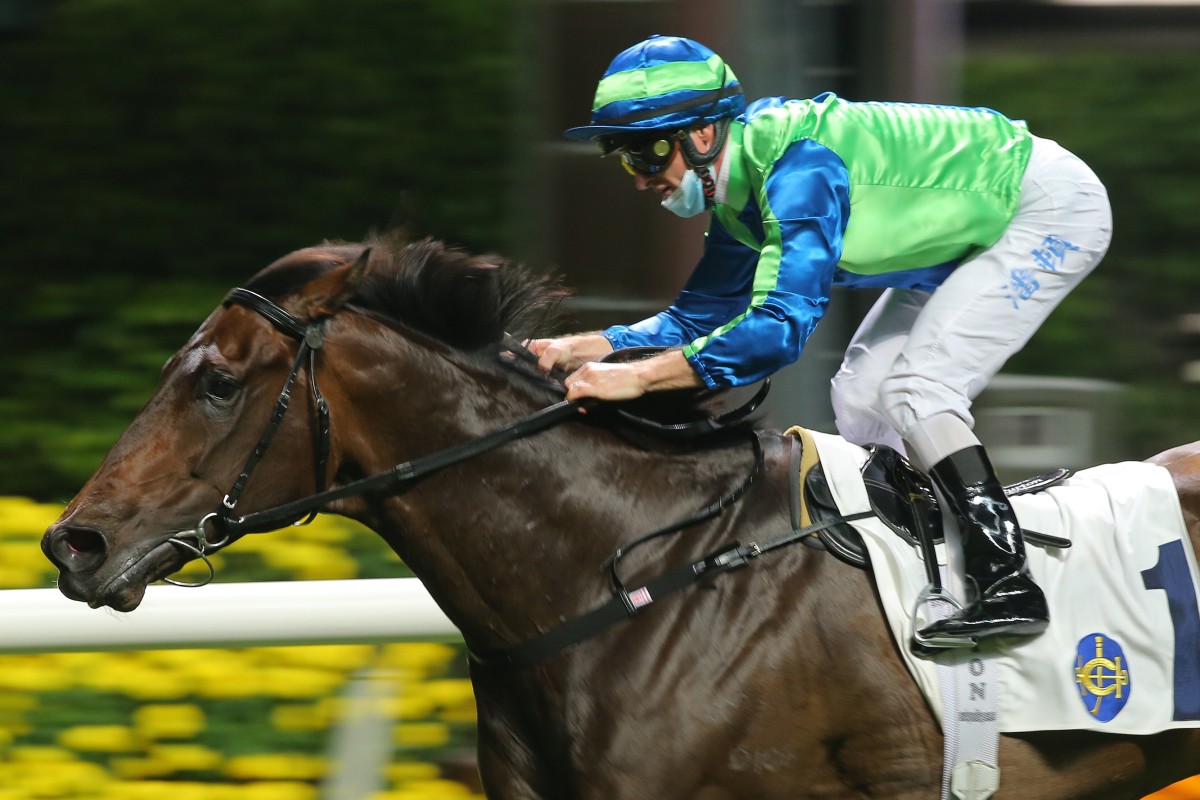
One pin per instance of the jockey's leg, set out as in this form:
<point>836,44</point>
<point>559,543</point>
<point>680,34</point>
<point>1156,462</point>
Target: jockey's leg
<point>854,390</point>
<point>1006,601</point>
<point>986,310</point>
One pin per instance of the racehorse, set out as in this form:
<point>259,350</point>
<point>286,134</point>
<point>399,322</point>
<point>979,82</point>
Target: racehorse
<point>776,680</point>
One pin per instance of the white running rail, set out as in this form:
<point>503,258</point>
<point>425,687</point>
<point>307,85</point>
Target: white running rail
<point>227,615</point>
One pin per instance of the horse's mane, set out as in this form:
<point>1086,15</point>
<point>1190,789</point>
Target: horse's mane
<point>469,302</point>
<point>466,301</point>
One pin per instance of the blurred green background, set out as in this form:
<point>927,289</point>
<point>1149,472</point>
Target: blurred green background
<point>156,154</point>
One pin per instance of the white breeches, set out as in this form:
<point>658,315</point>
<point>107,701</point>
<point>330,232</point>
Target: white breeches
<point>921,354</point>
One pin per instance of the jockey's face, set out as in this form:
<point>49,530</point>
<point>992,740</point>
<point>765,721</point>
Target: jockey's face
<point>666,180</point>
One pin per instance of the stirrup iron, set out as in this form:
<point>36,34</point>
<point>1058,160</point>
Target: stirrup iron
<point>937,594</point>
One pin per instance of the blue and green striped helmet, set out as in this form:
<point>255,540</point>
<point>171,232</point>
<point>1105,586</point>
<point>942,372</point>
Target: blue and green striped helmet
<point>665,83</point>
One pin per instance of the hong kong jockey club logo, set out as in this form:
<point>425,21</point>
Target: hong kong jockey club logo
<point>1102,674</point>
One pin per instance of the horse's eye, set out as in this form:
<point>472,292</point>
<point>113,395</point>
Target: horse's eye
<point>219,386</point>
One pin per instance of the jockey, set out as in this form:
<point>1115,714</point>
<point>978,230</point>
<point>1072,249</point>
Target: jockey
<point>974,228</point>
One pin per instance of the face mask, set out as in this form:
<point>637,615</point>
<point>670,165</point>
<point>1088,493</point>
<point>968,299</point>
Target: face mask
<point>688,199</point>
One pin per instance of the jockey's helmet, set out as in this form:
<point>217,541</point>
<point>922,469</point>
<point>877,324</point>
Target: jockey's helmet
<point>666,83</point>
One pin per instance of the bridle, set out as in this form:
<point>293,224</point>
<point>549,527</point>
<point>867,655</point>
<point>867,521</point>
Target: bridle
<point>401,477</point>
<point>310,336</point>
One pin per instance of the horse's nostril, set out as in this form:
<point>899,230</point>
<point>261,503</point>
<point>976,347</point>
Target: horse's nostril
<point>85,541</point>
<point>75,549</point>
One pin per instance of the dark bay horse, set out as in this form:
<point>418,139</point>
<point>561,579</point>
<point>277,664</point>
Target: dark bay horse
<point>776,681</point>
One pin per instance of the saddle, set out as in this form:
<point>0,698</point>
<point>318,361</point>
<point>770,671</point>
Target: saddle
<point>900,495</point>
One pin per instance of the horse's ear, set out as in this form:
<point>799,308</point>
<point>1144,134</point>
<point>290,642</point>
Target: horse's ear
<point>352,277</point>
<point>326,294</point>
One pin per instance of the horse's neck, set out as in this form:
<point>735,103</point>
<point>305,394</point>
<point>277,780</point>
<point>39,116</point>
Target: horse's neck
<point>512,541</point>
<point>523,535</point>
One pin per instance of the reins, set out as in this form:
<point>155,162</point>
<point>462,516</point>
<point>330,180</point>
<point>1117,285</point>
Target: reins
<point>690,429</point>
<point>403,475</point>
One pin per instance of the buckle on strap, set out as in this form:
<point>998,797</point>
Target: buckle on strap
<point>731,557</point>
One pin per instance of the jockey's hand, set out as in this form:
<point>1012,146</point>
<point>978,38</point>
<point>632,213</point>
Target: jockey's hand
<point>627,380</point>
<point>568,352</point>
<point>605,382</point>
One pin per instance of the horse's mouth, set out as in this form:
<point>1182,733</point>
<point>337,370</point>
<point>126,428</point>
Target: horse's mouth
<point>125,590</point>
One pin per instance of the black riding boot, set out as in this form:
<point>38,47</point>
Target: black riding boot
<point>1007,601</point>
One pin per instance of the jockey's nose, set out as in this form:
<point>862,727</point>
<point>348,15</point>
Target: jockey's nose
<point>74,548</point>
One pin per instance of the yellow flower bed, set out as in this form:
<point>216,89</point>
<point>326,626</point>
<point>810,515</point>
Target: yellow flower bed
<point>56,778</point>
<point>39,755</point>
<point>186,757</point>
<point>426,790</point>
<point>323,656</point>
<point>408,772</point>
<point>174,721</point>
<point>275,766</point>
<point>153,734</point>
<point>29,674</point>
<point>101,739</point>
<point>421,734</point>
<point>21,518</point>
<point>277,790</point>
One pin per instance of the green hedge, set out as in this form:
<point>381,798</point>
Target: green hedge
<point>155,154</point>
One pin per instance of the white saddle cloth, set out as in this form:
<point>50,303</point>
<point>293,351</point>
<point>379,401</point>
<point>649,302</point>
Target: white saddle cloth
<point>1122,651</point>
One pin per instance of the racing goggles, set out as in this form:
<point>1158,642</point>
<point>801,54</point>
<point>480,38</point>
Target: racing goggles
<point>648,156</point>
